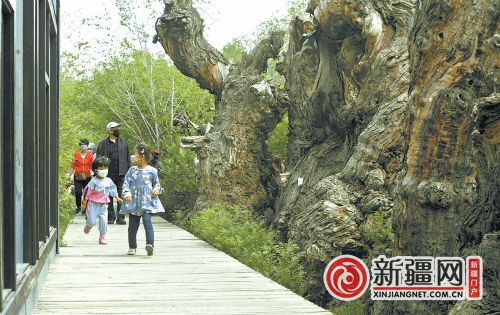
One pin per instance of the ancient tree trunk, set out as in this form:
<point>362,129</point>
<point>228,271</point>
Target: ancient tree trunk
<point>235,165</point>
<point>348,78</point>
<point>448,196</point>
<point>395,109</point>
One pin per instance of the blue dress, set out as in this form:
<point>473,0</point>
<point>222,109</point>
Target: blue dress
<point>139,184</point>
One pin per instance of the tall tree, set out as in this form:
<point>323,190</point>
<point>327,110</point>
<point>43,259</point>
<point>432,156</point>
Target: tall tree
<point>395,132</point>
<point>447,199</point>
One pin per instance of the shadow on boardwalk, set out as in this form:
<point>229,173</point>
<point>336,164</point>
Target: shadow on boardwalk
<point>184,276</point>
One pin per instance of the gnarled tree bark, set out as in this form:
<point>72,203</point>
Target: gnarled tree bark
<point>402,115</point>
<point>447,198</point>
<point>348,79</point>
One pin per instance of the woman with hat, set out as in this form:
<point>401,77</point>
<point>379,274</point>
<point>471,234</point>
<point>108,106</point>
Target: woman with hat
<point>116,149</point>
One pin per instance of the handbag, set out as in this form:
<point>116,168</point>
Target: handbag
<point>81,176</point>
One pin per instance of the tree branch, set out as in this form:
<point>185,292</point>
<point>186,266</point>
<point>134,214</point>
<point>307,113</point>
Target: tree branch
<point>180,30</point>
<point>193,142</point>
<point>267,48</point>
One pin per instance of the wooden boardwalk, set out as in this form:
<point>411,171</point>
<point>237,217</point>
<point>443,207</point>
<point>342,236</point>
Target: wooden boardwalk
<point>184,276</point>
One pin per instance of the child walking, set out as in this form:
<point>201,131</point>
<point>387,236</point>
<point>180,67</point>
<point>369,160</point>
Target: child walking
<point>96,197</point>
<point>140,192</point>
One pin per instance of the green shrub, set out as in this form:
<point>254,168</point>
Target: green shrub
<point>380,235</point>
<point>177,217</point>
<point>354,307</point>
<point>237,233</point>
<point>176,171</point>
<point>66,209</point>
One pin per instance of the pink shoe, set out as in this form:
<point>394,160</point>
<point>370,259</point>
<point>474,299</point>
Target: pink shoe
<point>86,229</point>
<point>102,239</point>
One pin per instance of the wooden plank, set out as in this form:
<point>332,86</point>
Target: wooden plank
<point>184,276</point>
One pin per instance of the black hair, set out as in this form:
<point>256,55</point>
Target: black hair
<point>100,161</point>
<point>152,157</point>
<point>84,141</point>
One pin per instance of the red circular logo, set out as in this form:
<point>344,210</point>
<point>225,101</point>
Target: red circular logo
<point>346,277</point>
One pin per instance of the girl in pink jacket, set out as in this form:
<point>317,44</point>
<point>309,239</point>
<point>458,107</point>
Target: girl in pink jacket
<point>96,198</point>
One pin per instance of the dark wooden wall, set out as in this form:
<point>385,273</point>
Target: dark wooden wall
<point>29,146</point>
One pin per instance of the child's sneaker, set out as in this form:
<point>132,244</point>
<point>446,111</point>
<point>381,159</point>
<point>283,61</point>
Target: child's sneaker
<point>86,229</point>
<point>150,249</point>
<point>102,239</point>
<point>131,251</point>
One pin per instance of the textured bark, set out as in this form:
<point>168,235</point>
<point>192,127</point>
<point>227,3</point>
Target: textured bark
<point>234,163</point>
<point>348,79</point>
<point>235,166</point>
<point>447,200</point>
<point>402,115</point>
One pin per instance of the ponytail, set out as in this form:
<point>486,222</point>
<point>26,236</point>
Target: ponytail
<point>155,159</point>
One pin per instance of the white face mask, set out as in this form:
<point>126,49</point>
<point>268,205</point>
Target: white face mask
<point>102,173</point>
<point>132,159</point>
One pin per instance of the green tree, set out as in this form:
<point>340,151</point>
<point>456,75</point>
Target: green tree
<point>125,78</point>
<point>145,92</point>
<point>234,49</point>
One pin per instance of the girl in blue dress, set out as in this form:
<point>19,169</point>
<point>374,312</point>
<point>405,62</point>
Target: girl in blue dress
<point>140,193</point>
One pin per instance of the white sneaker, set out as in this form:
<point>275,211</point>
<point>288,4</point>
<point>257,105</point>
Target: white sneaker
<point>150,249</point>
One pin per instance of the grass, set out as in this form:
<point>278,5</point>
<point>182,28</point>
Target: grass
<point>354,307</point>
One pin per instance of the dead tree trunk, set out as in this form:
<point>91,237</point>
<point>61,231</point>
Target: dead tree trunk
<point>348,78</point>
<point>395,109</point>
<point>180,30</point>
<point>235,165</point>
<point>448,197</point>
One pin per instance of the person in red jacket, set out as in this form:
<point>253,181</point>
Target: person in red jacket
<point>82,165</point>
